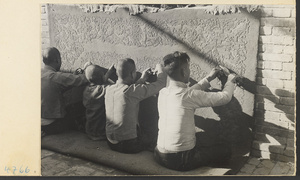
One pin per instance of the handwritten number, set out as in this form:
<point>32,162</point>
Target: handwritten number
<point>6,169</point>
<point>27,170</point>
<point>14,169</point>
<point>21,170</point>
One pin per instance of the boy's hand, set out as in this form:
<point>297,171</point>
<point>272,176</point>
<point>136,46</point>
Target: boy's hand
<point>87,64</point>
<point>111,69</point>
<point>232,78</point>
<point>78,71</point>
<point>159,68</point>
<point>146,73</point>
<point>225,71</point>
<point>213,74</point>
<point>109,72</point>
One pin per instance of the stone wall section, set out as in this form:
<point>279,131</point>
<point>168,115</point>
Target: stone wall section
<point>275,83</point>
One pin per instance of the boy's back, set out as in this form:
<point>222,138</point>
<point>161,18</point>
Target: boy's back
<point>93,100</point>
<point>122,104</point>
<point>122,107</point>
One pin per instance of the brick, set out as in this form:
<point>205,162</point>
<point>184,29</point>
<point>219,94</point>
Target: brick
<point>292,127</point>
<point>290,143</point>
<point>287,117</point>
<point>284,158</point>
<point>288,66</point>
<point>280,168</point>
<point>265,30</point>
<point>45,34</point>
<point>274,83</point>
<point>259,113</point>
<point>268,147</point>
<point>44,16</point>
<point>288,40</point>
<point>267,163</point>
<point>44,23</point>
<point>261,48</point>
<point>45,28</point>
<point>272,115</point>
<point>263,154</point>
<point>275,57</point>
<point>266,98</point>
<point>44,46</point>
<point>248,168</point>
<point>43,10</point>
<point>278,22</point>
<point>45,41</point>
<point>260,64</point>
<point>283,31</point>
<point>261,171</point>
<point>293,13</point>
<point>253,161</point>
<point>270,48</point>
<point>285,13</point>
<point>289,151</point>
<point>279,108</point>
<point>279,123</point>
<point>274,131</point>
<point>261,81</point>
<point>287,101</point>
<point>289,50</point>
<point>289,85</point>
<point>263,90</point>
<point>272,123</point>
<point>265,138</point>
<point>272,74</point>
<point>271,39</point>
<point>266,12</point>
<point>272,65</point>
<point>284,93</point>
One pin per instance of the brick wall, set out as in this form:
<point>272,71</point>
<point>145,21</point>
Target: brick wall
<point>45,40</point>
<point>275,102</point>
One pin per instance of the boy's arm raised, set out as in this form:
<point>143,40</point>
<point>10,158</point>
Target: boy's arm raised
<point>204,84</point>
<point>142,91</point>
<point>210,99</point>
<point>109,72</point>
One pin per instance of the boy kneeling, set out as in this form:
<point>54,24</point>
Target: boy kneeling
<point>176,145</point>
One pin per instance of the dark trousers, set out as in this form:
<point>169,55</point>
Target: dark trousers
<point>147,129</point>
<point>128,146</point>
<point>56,127</point>
<point>148,122</point>
<point>196,157</point>
<point>74,120</point>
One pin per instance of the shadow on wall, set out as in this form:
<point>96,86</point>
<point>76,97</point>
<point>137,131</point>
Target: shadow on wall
<point>274,133</point>
<point>233,128</point>
<point>199,54</point>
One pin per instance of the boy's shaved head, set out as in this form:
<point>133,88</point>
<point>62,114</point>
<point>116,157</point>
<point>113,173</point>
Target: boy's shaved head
<point>125,67</point>
<point>50,54</point>
<point>174,63</point>
<point>94,74</point>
